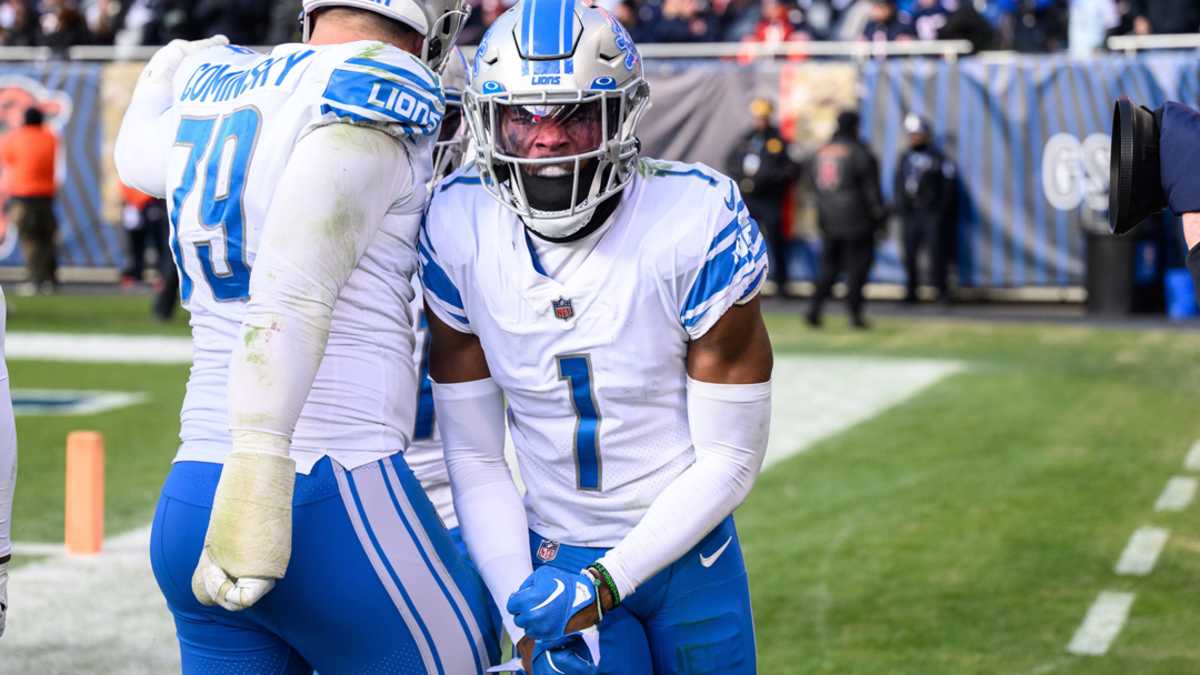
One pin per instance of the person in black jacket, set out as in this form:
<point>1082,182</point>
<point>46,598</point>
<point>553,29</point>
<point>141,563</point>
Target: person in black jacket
<point>765,173</point>
<point>924,200</point>
<point>1166,16</point>
<point>850,211</point>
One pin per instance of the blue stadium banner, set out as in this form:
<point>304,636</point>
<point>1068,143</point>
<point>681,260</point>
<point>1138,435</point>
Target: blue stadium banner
<point>69,95</point>
<point>1031,138</point>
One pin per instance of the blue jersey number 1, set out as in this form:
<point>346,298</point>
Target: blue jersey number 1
<point>576,370</point>
<point>221,208</point>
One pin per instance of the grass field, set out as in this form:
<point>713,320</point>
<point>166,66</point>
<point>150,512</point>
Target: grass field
<point>965,531</point>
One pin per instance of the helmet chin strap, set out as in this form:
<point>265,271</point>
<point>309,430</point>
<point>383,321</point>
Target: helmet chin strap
<point>553,196</point>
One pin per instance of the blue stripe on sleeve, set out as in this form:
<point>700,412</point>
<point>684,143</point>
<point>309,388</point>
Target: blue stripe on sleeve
<point>429,86</point>
<point>390,101</point>
<point>437,281</point>
<point>727,268</point>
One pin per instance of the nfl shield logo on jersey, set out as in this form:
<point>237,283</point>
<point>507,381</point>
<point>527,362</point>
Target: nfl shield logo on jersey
<point>548,551</point>
<point>563,309</point>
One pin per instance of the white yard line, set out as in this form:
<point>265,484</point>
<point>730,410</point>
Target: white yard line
<point>96,614</point>
<point>1177,495</point>
<point>1192,463</point>
<point>1102,624</point>
<point>1142,551</point>
<point>98,348</point>
<point>104,614</point>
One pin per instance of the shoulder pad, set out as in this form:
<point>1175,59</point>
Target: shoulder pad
<point>382,86</point>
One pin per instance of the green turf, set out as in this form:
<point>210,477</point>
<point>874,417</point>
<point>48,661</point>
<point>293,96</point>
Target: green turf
<point>139,443</point>
<point>968,530</point>
<point>119,314</point>
<point>965,531</point>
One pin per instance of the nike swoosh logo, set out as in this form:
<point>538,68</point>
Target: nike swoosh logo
<point>711,560</point>
<point>559,587</point>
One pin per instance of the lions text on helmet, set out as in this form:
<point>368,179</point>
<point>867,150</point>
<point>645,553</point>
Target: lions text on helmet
<point>554,114</point>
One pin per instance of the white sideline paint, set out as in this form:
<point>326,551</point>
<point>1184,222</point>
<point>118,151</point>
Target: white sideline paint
<point>816,397</point>
<point>1177,495</point>
<point>104,614</point>
<point>1192,463</point>
<point>98,348</point>
<point>94,614</point>
<point>1142,551</point>
<point>1102,624</point>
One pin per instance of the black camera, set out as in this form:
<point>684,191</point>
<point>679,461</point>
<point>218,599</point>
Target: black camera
<point>1135,188</point>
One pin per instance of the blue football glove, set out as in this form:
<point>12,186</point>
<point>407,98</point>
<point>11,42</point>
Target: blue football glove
<point>569,656</point>
<point>547,601</point>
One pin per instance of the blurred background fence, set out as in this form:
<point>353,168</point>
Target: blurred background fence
<point>1028,132</point>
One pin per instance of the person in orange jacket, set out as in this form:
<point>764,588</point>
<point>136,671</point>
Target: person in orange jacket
<point>28,156</point>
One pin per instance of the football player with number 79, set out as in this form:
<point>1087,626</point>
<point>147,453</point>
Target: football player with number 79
<point>611,302</point>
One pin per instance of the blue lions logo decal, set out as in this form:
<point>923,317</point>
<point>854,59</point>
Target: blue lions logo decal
<point>625,43</point>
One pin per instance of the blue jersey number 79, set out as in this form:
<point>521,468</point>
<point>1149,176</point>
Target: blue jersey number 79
<point>229,151</point>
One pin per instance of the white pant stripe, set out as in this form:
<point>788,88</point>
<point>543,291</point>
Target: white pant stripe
<point>410,621</point>
<point>439,567</point>
<point>405,556</point>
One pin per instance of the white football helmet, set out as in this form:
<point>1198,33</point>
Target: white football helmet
<point>438,21</point>
<point>453,143</point>
<point>553,107</point>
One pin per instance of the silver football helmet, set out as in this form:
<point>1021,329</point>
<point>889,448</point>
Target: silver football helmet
<point>438,21</point>
<point>553,107</point>
<point>454,139</point>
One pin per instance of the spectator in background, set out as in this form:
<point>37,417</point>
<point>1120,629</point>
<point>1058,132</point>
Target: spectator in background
<point>850,212</point>
<point>63,26</point>
<point>1040,26</point>
<point>147,223</point>
<point>886,24</point>
<point>628,13</point>
<point>19,26</point>
<point>737,19</point>
<point>28,156</point>
<point>966,23</point>
<point>284,27</point>
<point>1166,16</point>
<point>681,21</point>
<point>244,22</point>
<point>924,193</point>
<point>781,22</point>
<point>927,17</point>
<point>765,174</point>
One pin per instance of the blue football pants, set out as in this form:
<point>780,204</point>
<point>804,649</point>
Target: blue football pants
<point>375,583</point>
<point>692,618</point>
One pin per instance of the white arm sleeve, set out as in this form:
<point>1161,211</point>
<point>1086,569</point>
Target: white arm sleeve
<point>146,135</point>
<point>489,507</point>
<point>331,201</point>
<point>144,140</point>
<point>730,425</point>
<point>8,449</point>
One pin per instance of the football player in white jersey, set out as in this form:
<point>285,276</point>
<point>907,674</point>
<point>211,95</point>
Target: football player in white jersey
<point>8,469</point>
<point>611,302</point>
<point>290,535</point>
<point>424,455</point>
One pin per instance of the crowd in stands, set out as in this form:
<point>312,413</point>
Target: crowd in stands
<point>1021,25</point>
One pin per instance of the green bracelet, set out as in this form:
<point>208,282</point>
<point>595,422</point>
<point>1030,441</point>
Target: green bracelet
<point>608,581</point>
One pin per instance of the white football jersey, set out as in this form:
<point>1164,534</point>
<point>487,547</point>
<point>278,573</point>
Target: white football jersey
<point>240,114</point>
<point>594,365</point>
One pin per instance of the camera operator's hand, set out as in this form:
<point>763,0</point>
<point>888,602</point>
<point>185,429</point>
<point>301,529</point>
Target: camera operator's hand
<point>1191,229</point>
